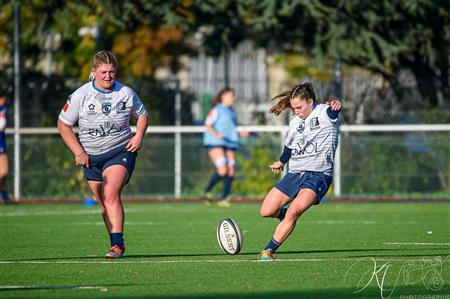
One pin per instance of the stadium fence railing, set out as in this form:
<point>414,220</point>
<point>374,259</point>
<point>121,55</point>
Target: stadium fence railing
<point>372,161</point>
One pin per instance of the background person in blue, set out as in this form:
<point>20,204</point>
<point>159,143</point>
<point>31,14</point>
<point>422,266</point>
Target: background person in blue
<point>4,167</point>
<point>221,139</point>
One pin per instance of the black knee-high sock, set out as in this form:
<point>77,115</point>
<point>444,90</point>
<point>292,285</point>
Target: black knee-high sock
<point>213,181</point>
<point>3,191</point>
<point>228,180</point>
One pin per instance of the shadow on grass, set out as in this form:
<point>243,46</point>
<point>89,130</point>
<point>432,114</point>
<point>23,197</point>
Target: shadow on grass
<point>364,253</point>
<point>369,292</point>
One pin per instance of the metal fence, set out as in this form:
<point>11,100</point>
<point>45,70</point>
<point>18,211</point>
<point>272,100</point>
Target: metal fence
<point>371,161</point>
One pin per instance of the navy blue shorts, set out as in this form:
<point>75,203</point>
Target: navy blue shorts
<point>292,183</point>
<point>117,156</point>
<point>225,148</point>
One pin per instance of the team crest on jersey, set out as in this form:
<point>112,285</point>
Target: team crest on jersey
<point>301,128</point>
<point>106,108</point>
<point>314,123</point>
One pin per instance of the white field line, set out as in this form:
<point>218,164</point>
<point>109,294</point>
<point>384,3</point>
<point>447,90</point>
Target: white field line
<point>416,243</point>
<point>37,287</point>
<point>218,261</point>
<point>341,222</point>
<point>329,222</point>
<point>49,213</point>
<point>100,223</point>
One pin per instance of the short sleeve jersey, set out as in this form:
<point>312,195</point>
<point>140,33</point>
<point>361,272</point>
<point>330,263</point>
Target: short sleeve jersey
<point>103,117</point>
<point>313,142</point>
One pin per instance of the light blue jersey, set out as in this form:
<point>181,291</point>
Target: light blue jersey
<point>223,120</point>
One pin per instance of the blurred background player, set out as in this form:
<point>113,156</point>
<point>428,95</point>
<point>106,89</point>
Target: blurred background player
<point>310,147</point>
<point>4,166</point>
<point>221,140</point>
<point>107,149</point>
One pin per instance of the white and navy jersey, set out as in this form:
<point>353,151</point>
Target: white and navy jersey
<point>103,117</point>
<point>313,142</point>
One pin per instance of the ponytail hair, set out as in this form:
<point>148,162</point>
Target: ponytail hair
<point>103,57</point>
<point>282,101</point>
<point>218,98</point>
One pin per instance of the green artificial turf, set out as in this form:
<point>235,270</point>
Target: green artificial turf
<point>336,251</point>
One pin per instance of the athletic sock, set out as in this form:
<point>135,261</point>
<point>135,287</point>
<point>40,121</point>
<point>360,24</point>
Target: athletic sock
<point>213,181</point>
<point>282,213</point>
<point>116,239</point>
<point>5,196</point>
<point>272,246</point>
<point>228,180</point>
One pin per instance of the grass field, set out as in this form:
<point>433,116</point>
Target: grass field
<point>337,251</point>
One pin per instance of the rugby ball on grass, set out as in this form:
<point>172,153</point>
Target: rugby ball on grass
<point>229,236</point>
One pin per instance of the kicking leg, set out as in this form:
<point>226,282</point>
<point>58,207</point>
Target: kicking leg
<point>302,202</point>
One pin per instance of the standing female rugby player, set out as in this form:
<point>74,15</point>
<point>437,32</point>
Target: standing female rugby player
<point>107,149</point>
<point>221,140</point>
<point>310,147</point>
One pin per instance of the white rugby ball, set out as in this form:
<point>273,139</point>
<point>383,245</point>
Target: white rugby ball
<point>229,236</point>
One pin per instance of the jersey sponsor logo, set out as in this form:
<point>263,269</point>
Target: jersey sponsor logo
<point>91,110</point>
<point>106,108</point>
<point>314,123</point>
<point>66,106</point>
<point>104,131</point>
<point>308,149</point>
<point>121,107</point>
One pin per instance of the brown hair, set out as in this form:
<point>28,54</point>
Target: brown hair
<point>303,91</point>
<point>218,98</point>
<point>103,57</point>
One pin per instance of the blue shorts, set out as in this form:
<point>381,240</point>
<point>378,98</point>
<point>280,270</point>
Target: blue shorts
<point>225,148</point>
<point>117,156</point>
<point>292,183</point>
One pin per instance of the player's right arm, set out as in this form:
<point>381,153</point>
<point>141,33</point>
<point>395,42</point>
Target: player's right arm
<point>278,166</point>
<point>67,134</point>
<point>67,118</point>
<point>212,117</point>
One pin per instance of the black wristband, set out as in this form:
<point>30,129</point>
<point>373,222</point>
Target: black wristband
<point>286,155</point>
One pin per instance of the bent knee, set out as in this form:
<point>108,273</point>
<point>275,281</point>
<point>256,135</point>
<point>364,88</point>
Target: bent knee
<point>264,212</point>
<point>110,198</point>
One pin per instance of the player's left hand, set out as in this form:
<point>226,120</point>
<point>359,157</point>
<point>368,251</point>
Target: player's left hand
<point>134,145</point>
<point>335,105</point>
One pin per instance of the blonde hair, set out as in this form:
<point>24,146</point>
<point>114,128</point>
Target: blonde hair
<point>103,57</point>
<point>303,91</point>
